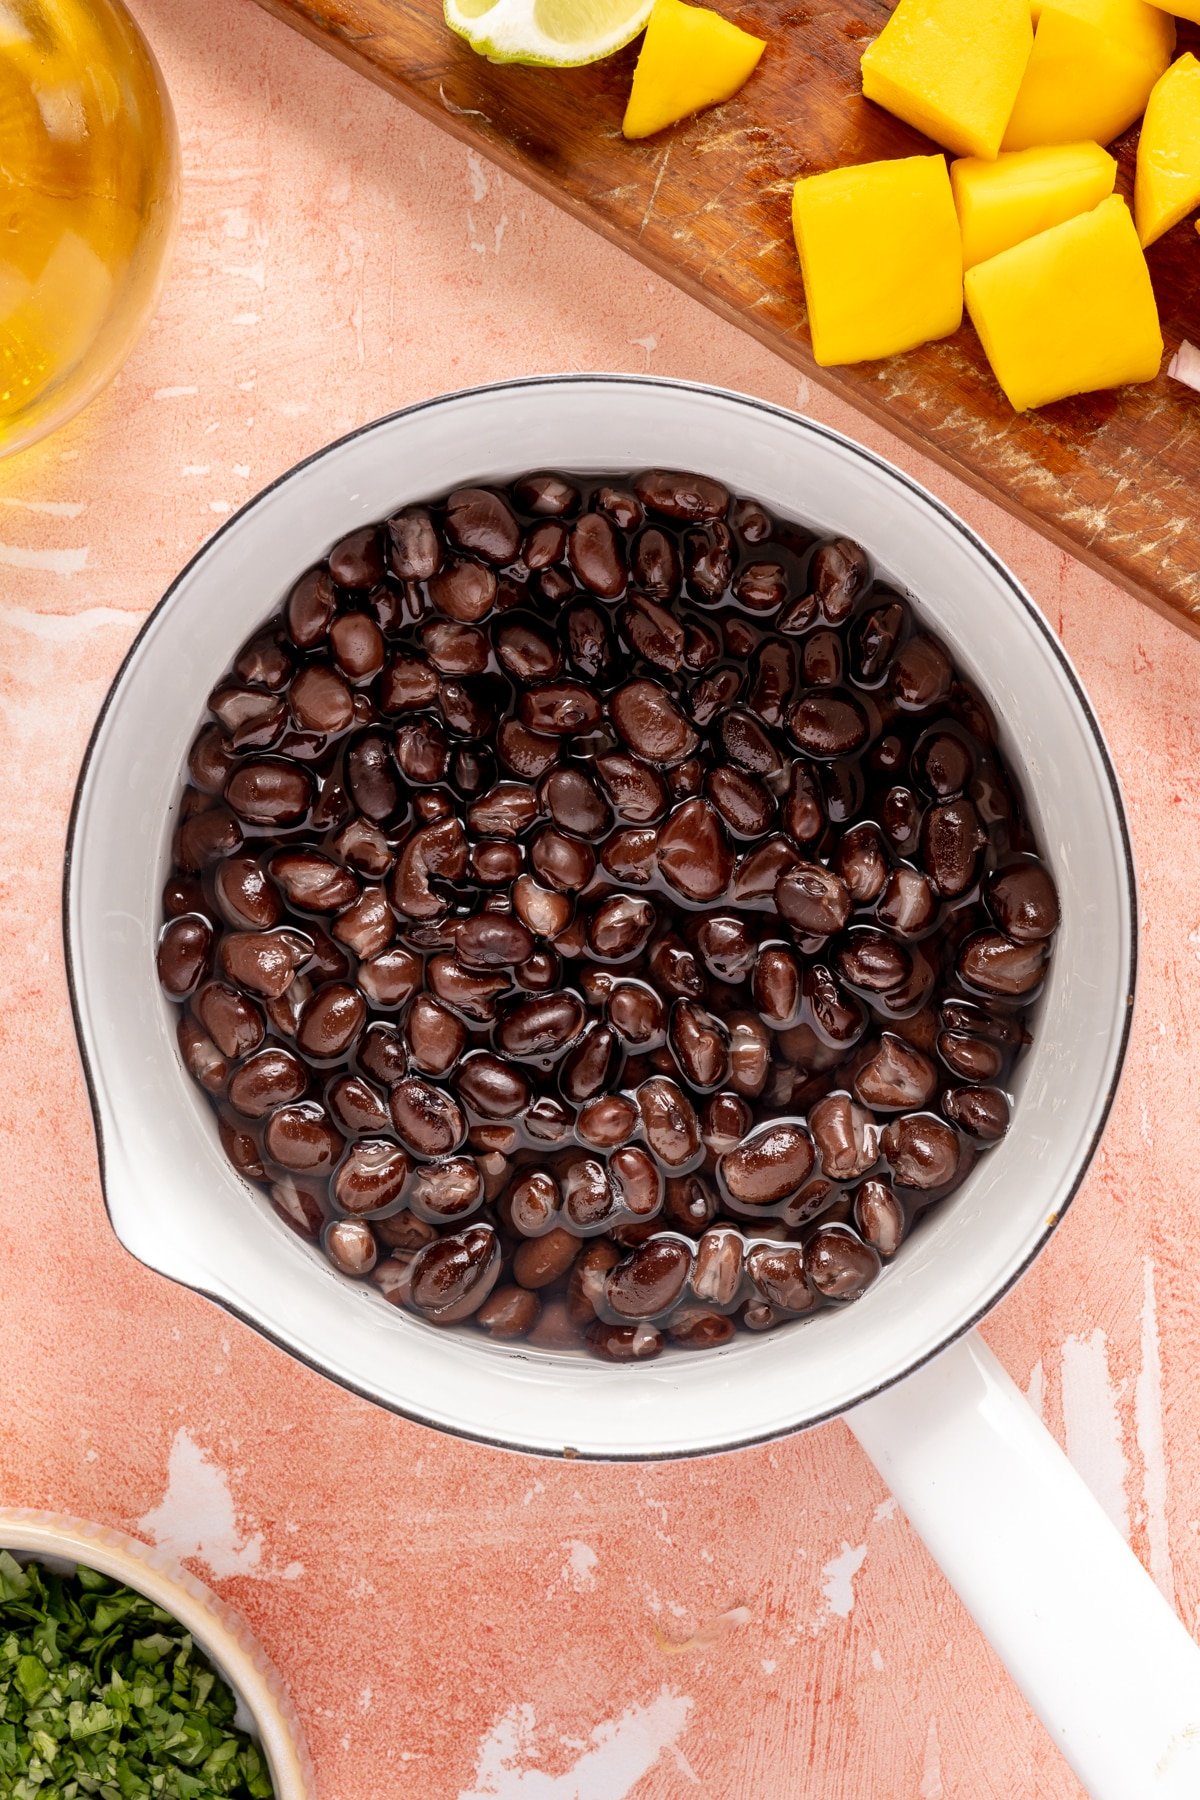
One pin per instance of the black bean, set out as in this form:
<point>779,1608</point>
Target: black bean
<point>559,709</point>
<point>428,1121</point>
<point>923,1152</point>
<point>838,573</point>
<point>761,587</point>
<point>776,985</point>
<point>742,801</point>
<point>620,927</point>
<point>814,901</point>
<point>449,1188</point>
<point>542,1026</point>
<point>636,792</point>
<point>350,1246</point>
<point>653,633</point>
<point>708,560</point>
<point>674,495</point>
<point>414,550</point>
<point>310,608</point>
<point>184,955</point>
<point>648,1283</point>
<point>562,862</point>
<point>650,722</point>
<point>700,1045</point>
<point>718,1267</point>
<point>845,1135</point>
<point>895,1076</point>
<point>457,1273</point>
<point>828,724</point>
<point>546,496</point>
<point>768,1165</point>
<point>589,641</point>
<point>356,561</point>
<point>694,854</point>
<point>870,959</point>
<point>481,521</point>
<point>655,564</point>
<point>545,1258</point>
<point>981,1112</point>
<point>951,839</point>
<point>669,1121</point>
<point>921,674</point>
<point>995,964</point>
<point>879,1216</point>
<point>1023,901</point>
<point>778,1274</point>
<point>302,1137</point>
<point>838,1264</point>
<point>595,554</point>
<point>491,1088</point>
<point>508,1312</point>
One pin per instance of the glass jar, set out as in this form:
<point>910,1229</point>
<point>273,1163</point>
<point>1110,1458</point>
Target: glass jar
<point>89,174</point>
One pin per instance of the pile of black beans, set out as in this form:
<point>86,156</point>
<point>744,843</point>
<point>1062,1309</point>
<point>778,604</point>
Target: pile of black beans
<point>600,913</point>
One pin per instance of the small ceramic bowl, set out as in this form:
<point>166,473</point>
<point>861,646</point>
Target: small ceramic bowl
<point>264,1709</point>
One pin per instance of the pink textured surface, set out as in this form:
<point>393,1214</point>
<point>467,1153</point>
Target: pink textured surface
<point>455,1622</point>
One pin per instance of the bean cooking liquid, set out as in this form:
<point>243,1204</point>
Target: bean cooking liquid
<point>600,914</point>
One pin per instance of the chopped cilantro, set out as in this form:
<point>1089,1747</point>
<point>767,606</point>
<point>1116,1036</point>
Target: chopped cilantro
<point>104,1694</point>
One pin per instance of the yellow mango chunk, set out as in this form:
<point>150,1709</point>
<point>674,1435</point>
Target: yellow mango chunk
<point>1026,191</point>
<point>690,58</point>
<point>880,254</point>
<point>1068,311</point>
<point>1183,9</point>
<point>1094,63</point>
<point>952,68</point>
<point>1168,163</point>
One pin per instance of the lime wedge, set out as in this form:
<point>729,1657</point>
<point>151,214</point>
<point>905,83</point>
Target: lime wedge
<point>551,34</point>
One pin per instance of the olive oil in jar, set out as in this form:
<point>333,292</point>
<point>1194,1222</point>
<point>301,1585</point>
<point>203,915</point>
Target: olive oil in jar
<point>88,181</point>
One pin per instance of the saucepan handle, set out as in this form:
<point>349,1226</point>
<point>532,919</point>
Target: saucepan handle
<point>1090,1641</point>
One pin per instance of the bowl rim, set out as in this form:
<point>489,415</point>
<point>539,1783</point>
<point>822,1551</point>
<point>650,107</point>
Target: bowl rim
<point>949,519</point>
<point>222,1633</point>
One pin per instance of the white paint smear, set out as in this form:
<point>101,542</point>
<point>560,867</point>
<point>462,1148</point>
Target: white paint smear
<point>1148,1418</point>
<point>580,1566</point>
<point>196,1517</point>
<point>620,1753</point>
<point>839,1573</point>
<point>1035,1393</point>
<point>1093,1424</point>
<point>54,509</point>
<point>68,625</point>
<point>931,1775</point>
<point>175,393</point>
<point>55,562</point>
<point>476,175</point>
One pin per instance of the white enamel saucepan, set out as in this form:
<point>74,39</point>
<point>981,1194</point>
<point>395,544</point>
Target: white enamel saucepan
<point>1095,1648</point>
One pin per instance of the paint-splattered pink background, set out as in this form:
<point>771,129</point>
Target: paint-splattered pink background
<point>457,1624</point>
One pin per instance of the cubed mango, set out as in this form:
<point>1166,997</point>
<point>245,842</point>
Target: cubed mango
<point>1068,311</point>
<point>690,58</point>
<point>1024,192</point>
<point>952,68</point>
<point>880,253</point>
<point>1183,9</point>
<point>1168,162</point>
<point>1094,63</point>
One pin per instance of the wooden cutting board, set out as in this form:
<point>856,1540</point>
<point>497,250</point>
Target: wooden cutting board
<point>1114,477</point>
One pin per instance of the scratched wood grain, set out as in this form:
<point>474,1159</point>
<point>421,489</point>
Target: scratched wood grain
<point>1113,477</point>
